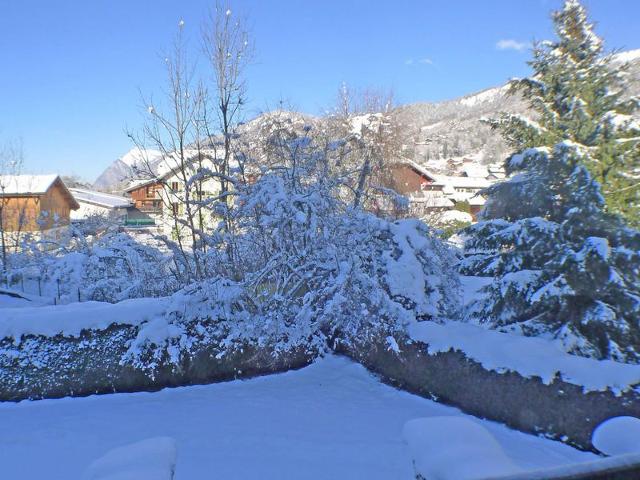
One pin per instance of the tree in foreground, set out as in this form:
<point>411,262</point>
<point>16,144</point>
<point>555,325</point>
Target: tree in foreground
<point>579,94</point>
<point>565,266</point>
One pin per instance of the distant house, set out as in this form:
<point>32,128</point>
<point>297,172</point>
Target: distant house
<point>146,196</point>
<point>407,177</point>
<point>428,192</point>
<point>35,203</point>
<point>162,199</point>
<point>98,203</point>
<point>423,189</point>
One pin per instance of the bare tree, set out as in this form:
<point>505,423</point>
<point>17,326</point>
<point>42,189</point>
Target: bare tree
<point>11,160</point>
<point>228,50</point>
<point>194,128</point>
<point>174,127</point>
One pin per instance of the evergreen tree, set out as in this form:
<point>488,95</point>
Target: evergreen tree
<point>564,266</point>
<point>578,95</point>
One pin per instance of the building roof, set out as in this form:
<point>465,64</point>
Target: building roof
<point>168,165</point>
<point>33,185</point>
<point>430,201</point>
<point>421,170</point>
<point>100,199</point>
<point>480,171</point>
<point>26,184</point>
<point>136,184</point>
<point>463,182</point>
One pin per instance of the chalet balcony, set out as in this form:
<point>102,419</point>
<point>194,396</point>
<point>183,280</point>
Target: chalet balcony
<point>153,210</point>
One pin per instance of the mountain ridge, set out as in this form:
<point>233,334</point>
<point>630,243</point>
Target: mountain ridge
<point>434,134</point>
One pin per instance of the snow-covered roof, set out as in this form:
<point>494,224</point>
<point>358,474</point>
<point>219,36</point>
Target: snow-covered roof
<point>170,164</point>
<point>420,169</point>
<point>26,184</point>
<point>135,184</point>
<point>429,200</point>
<point>478,171</point>
<point>33,185</point>
<point>463,182</point>
<point>99,198</point>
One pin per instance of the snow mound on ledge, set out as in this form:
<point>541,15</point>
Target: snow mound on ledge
<point>455,448</point>
<point>618,436</point>
<point>528,356</point>
<point>69,320</point>
<point>150,459</point>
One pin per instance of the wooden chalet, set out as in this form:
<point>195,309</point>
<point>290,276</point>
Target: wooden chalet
<point>34,203</point>
<point>146,196</point>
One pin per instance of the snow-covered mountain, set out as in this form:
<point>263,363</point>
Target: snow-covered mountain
<point>117,175</point>
<point>438,135</point>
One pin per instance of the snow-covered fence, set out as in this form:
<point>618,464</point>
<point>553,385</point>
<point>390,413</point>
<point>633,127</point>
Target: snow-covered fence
<point>556,406</point>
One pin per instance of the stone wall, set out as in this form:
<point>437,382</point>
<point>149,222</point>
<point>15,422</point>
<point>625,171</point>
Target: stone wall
<point>53,367</point>
<point>561,411</point>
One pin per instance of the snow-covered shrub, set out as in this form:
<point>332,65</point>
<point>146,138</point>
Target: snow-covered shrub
<point>306,266</point>
<point>110,268</point>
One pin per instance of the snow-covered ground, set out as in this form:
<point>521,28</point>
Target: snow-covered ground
<point>14,299</point>
<point>330,420</point>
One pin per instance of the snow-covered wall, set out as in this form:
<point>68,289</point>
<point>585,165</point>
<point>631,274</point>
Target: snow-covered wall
<point>552,407</point>
<point>87,348</point>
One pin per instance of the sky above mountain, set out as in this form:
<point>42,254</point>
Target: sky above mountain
<point>72,71</point>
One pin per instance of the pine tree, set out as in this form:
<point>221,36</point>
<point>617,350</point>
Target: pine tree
<point>578,94</point>
<point>564,266</point>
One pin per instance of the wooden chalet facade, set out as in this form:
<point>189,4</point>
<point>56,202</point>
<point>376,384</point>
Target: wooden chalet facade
<point>35,203</point>
<point>407,178</point>
<point>147,196</point>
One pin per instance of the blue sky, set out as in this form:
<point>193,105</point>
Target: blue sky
<point>71,71</point>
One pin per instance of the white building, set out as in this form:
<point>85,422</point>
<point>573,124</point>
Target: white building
<point>98,203</point>
<point>162,199</point>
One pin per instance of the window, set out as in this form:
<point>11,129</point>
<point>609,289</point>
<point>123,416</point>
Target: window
<point>174,187</point>
<point>174,208</point>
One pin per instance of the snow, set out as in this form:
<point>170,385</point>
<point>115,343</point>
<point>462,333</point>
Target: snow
<point>330,420</point>
<point>430,200</point>
<point>10,301</point>
<point>452,216</point>
<point>101,199</point>
<point>485,96</point>
<point>138,155</point>
<point>71,319</point>
<point>528,356</point>
<point>463,182</point>
<point>455,448</point>
<point>579,470</point>
<point>627,56</point>
<point>618,436</point>
<point>476,170</point>
<point>22,184</point>
<point>150,459</point>
<point>14,299</point>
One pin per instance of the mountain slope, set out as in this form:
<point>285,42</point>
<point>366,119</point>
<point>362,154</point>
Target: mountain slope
<point>117,175</point>
<point>437,135</point>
